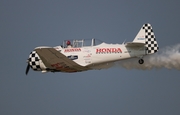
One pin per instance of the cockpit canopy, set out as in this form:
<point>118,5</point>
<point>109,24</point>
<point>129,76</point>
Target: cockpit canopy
<point>81,43</point>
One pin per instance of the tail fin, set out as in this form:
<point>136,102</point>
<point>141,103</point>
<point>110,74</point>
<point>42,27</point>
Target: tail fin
<point>146,36</point>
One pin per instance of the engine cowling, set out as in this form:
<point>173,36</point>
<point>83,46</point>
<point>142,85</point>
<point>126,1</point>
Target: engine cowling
<point>35,62</point>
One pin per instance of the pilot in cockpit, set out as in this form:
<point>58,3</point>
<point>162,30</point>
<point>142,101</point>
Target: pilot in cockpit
<point>68,43</point>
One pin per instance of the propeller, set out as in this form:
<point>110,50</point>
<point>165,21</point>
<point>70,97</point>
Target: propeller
<point>28,67</point>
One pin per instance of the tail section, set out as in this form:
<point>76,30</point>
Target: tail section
<point>146,36</point>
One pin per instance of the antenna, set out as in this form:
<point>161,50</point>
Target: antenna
<point>124,41</point>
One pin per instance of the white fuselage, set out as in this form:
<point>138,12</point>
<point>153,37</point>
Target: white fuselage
<point>93,56</point>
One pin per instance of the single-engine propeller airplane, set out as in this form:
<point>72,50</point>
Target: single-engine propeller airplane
<point>81,55</point>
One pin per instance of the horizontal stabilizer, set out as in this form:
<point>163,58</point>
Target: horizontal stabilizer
<point>135,44</point>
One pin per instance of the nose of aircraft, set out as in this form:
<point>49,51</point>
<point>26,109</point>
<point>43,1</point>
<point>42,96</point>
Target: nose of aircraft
<point>33,62</point>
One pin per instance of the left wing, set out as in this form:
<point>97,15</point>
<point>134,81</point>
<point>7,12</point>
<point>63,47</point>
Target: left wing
<point>56,61</point>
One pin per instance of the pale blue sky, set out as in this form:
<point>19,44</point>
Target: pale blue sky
<point>26,24</point>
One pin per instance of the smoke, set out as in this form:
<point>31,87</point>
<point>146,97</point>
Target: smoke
<point>168,57</point>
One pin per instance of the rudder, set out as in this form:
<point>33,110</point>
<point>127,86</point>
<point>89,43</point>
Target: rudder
<point>150,40</point>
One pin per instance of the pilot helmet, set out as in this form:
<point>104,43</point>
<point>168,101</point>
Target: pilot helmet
<point>68,42</point>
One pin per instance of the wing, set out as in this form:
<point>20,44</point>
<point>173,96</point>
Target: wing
<point>56,61</point>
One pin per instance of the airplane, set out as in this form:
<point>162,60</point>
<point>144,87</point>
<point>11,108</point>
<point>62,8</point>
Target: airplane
<point>81,55</point>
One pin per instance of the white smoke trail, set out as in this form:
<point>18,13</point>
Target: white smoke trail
<point>168,57</point>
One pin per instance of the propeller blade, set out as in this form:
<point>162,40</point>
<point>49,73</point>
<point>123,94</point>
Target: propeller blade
<point>27,69</point>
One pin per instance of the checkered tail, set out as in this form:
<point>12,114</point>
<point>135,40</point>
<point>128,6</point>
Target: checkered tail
<point>150,40</point>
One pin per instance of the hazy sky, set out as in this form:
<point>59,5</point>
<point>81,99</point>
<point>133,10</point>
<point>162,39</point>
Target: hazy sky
<point>26,24</point>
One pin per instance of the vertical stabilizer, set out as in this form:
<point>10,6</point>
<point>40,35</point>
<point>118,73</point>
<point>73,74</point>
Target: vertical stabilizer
<point>140,37</point>
<point>146,36</point>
